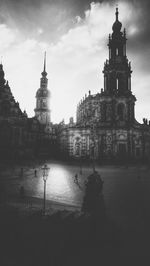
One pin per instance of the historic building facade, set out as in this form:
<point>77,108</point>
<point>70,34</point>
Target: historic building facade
<point>21,136</point>
<point>12,119</point>
<point>105,124</point>
<point>48,141</point>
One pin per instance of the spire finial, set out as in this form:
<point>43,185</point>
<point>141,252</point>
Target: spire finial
<point>45,61</point>
<point>117,12</point>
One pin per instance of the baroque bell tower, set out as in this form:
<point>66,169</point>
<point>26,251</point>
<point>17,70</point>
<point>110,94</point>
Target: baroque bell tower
<point>42,111</point>
<point>118,100</point>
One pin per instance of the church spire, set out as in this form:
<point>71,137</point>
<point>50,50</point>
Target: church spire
<point>44,73</point>
<point>42,111</point>
<point>44,62</point>
<point>117,13</point>
<point>117,71</point>
<point>117,24</point>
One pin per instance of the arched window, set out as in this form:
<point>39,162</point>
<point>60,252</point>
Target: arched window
<point>77,147</point>
<point>117,51</point>
<point>120,111</point>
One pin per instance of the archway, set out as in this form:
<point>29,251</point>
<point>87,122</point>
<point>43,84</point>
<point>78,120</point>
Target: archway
<point>77,147</point>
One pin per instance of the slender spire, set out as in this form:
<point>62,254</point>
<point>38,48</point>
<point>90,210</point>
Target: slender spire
<point>44,73</point>
<point>117,13</point>
<point>44,62</point>
<point>117,24</point>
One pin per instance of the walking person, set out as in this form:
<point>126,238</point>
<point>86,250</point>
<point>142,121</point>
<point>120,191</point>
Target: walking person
<point>35,173</point>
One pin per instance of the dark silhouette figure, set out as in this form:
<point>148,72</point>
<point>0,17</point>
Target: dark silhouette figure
<point>35,173</point>
<point>93,200</point>
<point>76,179</point>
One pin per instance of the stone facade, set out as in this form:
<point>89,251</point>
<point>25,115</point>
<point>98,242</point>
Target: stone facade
<point>105,126</point>
<point>20,136</point>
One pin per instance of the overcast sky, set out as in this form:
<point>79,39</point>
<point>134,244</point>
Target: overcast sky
<point>75,34</point>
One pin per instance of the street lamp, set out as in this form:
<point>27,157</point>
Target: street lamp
<point>45,176</point>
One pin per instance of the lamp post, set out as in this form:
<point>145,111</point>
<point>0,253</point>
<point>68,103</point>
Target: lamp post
<point>45,176</point>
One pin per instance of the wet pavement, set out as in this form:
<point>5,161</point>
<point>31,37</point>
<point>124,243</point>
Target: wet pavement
<point>126,189</point>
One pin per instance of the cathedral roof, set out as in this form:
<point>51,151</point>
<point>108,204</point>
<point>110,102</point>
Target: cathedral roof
<point>8,106</point>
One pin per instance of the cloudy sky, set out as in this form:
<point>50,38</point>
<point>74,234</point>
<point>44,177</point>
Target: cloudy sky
<point>74,33</point>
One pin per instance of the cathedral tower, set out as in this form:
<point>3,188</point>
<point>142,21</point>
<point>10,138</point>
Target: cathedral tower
<point>117,79</point>
<point>42,111</point>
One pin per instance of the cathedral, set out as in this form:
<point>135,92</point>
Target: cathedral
<point>106,127</point>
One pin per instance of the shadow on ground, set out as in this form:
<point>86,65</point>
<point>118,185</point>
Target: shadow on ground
<point>64,238</point>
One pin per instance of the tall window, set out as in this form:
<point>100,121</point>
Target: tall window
<point>104,111</point>
<point>77,147</point>
<point>117,51</point>
<point>120,111</point>
<point>44,102</point>
<point>110,53</point>
<point>117,84</point>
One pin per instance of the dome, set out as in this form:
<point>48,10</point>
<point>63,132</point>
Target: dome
<point>117,26</point>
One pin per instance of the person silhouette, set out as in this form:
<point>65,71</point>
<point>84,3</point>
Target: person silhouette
<point>76,179</point>
<point>35,173</point>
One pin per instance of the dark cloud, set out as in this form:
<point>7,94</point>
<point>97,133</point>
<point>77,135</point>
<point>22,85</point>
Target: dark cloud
<point>55,17</point>
<point>139,43</point>
<point>29,15</point>
<point>60,14</point>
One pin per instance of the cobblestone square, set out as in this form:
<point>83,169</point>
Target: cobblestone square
<point>126,188</point>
